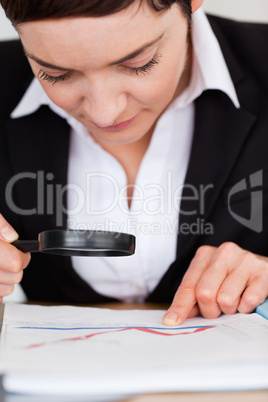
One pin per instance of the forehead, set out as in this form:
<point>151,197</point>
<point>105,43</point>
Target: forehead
<point>69,41</point>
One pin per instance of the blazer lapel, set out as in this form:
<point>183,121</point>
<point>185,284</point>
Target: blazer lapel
<point>42,149</point>
<point>39,158</point>
<point>220,132</point>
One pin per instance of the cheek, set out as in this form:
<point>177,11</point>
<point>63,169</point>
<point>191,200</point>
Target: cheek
<point>160,89</point>
<point>62,95</point>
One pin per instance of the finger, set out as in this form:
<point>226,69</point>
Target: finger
<point>246,286</point>
<point>254,295</point>
<point>211,289</point>
<point>194,312</point>
<point>208,287</point>
<point>185,297</point>
<point>234,285</point>
<point>7,233</point>
<point>7,278</point>
<point>6,290</point>
<point>207,290</point>
<point>12,260</point>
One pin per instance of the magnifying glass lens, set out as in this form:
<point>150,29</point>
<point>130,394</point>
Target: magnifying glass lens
<point>80,243</point>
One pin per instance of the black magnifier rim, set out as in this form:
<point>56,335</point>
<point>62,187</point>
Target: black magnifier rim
<point>86,243</point>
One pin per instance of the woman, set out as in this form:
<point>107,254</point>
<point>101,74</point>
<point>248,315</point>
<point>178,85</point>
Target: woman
<point>139,126</point>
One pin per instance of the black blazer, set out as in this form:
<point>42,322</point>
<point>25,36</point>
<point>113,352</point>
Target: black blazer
<point>229,145</point>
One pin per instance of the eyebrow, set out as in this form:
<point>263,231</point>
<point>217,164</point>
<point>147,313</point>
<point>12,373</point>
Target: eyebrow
<point>138,51</point>
<point>132,55</point>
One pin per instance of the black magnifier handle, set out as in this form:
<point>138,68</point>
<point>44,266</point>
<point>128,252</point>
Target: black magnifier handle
<point>27,246</point>
<point>75,243</point>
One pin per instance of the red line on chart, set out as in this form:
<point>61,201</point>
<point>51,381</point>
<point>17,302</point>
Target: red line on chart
<point>148,330</point>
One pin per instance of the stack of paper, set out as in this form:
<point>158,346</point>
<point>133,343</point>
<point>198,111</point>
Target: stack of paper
<point>70,350</point>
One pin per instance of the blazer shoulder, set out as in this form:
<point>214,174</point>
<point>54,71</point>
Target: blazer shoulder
<point>246,42</point>
<point>240,30</point>
<point>13,60</point>
<point>15,74</point>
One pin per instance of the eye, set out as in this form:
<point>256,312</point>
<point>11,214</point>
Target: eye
<point>50,78</point>
<point>146,67</point>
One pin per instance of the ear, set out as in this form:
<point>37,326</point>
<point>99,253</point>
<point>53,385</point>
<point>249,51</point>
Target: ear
<point>196,4</point>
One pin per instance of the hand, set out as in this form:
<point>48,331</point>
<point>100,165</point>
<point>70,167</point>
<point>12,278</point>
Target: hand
<point>219,280</point>
<point>12,261</point>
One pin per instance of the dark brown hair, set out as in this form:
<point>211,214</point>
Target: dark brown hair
<point>19,11</point>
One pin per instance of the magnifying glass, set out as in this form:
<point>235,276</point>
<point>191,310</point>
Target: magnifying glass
<point>80,243</point>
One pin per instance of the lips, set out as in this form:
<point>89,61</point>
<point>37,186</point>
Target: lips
<point>118,126</point>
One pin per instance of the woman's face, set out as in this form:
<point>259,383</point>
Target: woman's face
<point>115,74</point>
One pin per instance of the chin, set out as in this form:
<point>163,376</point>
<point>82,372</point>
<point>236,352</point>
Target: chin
<point>114,138</point>
<point>114,141</point>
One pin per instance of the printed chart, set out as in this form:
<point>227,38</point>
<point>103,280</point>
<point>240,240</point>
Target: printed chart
<point>159,331</point>
<point>65,349</point>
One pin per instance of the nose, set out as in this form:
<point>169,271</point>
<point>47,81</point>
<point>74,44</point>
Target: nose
<point>104,100</point>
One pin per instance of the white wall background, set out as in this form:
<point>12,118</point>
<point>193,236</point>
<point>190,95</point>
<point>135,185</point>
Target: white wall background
<point>247,10</point>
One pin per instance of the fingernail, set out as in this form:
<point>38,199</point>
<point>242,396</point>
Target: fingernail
<point>170,319</point>
<point>9,234</point>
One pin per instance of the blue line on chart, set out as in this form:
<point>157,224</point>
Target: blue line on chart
<point>101,328</point>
